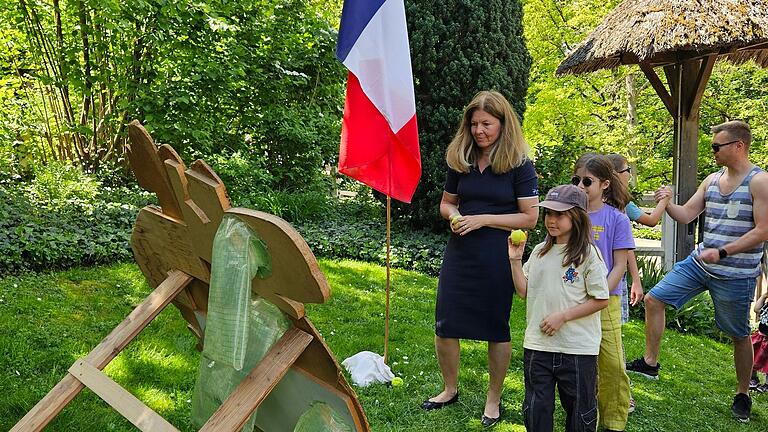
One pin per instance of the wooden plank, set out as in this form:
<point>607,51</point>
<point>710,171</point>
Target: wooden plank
<point>148,168</point>
<point>161,244</point>
<point>120,399</point>
<point>658,86</point>
<point>234,412</point>
<point>66,390</point>
<point>697,89</point>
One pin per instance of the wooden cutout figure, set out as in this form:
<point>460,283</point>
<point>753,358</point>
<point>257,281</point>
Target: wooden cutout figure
<point>172,245</point>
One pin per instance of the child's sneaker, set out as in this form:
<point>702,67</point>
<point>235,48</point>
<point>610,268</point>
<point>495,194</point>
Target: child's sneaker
<point>762,388</point>
<point>631,405</point>
<point>742,407</point>
<point>639,366</point>
<point>754,384</point>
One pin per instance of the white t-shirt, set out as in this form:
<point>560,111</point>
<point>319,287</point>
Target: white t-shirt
<point>553,288</point>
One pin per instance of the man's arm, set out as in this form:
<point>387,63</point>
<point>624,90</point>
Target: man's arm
<point>693,207</point>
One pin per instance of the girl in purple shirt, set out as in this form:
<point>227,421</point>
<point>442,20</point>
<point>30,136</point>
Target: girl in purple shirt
<point>607,197</point>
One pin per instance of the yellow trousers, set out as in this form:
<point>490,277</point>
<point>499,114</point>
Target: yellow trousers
<point>612,379</point>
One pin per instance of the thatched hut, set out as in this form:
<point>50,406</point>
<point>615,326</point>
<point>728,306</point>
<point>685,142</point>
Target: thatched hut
<point>685,38</point>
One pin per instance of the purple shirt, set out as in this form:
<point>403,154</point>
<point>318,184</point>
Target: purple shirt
<point>611,230</point>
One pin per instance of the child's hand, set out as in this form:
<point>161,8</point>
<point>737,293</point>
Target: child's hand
<point>663,193</point>
<point>515,251</point>
<point>552,323</point>
<point>636,293</point>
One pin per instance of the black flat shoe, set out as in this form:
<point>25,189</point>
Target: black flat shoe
<point>491,421</point>
<point>428,405</point>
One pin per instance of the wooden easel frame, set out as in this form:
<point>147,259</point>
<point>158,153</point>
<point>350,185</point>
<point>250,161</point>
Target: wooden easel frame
<point>87,372</point>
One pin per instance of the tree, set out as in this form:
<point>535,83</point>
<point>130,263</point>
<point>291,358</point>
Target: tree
<point>457,49</point>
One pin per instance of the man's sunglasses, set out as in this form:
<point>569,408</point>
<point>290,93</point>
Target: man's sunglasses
<point>586,181</point>
<point>716,147</point>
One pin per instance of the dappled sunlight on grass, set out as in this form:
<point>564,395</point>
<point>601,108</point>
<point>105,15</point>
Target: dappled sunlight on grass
<point>40,339</point>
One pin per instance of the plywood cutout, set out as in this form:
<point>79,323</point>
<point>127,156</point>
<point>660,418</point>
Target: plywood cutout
<point>172,245</point>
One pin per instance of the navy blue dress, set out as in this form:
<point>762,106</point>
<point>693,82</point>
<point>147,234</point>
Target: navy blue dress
<point>474,291</point>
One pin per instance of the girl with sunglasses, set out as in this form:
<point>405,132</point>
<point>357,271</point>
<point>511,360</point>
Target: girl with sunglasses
<point>607,198</point>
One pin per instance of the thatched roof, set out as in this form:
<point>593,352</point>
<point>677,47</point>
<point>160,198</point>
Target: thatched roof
<point>667,31</point>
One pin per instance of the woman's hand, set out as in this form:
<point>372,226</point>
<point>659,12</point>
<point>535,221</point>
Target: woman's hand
<point>468,224</point>
<point>552,323</point>
<point>636,293</point>
<point>453,221</point>
<point>515,251</point>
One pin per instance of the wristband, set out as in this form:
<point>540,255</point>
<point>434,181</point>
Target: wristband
<point>722,252</point>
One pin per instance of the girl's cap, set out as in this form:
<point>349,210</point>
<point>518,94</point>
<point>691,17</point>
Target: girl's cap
<point>565,197</point>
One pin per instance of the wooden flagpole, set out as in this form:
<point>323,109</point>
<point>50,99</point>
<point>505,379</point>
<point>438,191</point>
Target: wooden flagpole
<point>386,307</point>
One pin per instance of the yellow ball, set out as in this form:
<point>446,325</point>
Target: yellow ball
<point>397,382</point>
<point>517,237</point>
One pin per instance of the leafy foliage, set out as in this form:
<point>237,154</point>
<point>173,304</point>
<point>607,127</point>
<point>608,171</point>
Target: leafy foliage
<point>258,79</point>
<point>458,48</point>
<point>617,110</point>
<point>61,220</point>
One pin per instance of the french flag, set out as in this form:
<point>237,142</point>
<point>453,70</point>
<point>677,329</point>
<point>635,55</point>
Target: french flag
<point>379,137</point>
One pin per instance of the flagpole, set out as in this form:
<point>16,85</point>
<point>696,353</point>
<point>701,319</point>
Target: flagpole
<point>386,307</point>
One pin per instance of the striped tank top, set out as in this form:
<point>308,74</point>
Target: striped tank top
<point>726,219</point>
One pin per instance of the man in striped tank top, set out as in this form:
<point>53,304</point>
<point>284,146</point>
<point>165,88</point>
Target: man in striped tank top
<point>726,262</point>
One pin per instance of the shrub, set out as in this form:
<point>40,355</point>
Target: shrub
<point>365,240</point>
<point>488,54</point>
<point>73,228</point>
<point>58,184</point>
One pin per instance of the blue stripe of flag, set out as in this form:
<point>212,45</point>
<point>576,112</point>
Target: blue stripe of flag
<point>354,18</point>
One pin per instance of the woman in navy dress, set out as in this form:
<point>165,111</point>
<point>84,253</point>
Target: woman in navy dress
<point>491,188</point>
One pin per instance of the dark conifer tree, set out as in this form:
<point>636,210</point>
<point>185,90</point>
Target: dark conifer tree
<point>458,47</point>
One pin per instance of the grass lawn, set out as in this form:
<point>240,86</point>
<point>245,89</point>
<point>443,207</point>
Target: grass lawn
<point>47,321</point>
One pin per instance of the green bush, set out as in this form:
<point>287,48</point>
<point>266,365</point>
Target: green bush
<point>58,184</point>
<point>365,240</point>
<point>73,228</point>
<point>646,233</point>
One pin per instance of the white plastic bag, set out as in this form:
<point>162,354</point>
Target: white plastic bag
<point>367,367</point>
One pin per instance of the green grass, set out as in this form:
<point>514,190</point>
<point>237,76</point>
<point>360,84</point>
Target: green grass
<point>47,321</point>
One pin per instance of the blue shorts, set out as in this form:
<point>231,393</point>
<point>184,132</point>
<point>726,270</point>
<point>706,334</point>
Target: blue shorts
<point>732,298</point>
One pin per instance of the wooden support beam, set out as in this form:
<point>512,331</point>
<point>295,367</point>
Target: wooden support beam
<point>235,411</point>
<point>659,87</point>
<point>66,390</point>
<point>118,398</point>
<point>698,86</point>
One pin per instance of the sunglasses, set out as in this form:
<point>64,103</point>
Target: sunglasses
<point>627,170</point>
<point>586,181</point>
<point>716,147</point>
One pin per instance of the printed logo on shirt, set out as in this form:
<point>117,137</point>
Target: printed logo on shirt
<point>596,230</point>
<point>571,275</point>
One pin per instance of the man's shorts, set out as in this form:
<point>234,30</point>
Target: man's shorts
<point>732,298</point>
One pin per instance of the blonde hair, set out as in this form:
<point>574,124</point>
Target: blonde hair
<point>735,129</point>
<point>509,151</point>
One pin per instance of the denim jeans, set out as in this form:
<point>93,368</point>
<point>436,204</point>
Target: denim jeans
<point>576,379</point>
